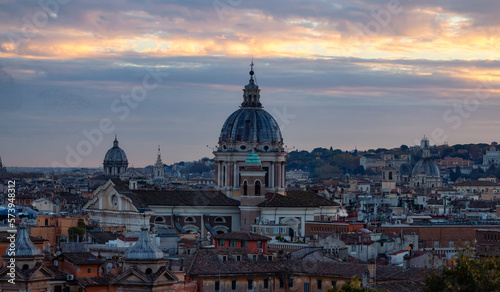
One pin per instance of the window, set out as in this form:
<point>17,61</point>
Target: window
<point>257,188</point>
<point>259,244</point>
<point>290,282</point>
<point>250,284</point>
<point>267,230</point>
<point>283,230</point>
<point>319,284</point>
<point>233,285</point>
<point>334,283</point>
<point>255,229</point>
<point>220,220</point>
<point>266,283</point>
<point>232,243</point>
<point>89,271</point>
<point>282,283</point>
<point>390,175</point>
<point>238,258</point>
<point>217,286</point>
<point>451,244</point>
<point>244,244</point>
<point>436,244</point>
<point>190,219</point>
<point>221,242</point>
<point>276,230</point>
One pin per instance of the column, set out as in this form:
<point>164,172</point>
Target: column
<point>271,175</point>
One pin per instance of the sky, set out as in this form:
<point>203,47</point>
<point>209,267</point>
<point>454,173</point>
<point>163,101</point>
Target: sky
<point>344,74</point>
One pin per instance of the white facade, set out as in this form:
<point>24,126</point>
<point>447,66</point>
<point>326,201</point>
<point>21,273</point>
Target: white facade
<point>492,156</point>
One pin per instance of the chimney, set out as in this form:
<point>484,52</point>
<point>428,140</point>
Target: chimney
<point>406,262</point>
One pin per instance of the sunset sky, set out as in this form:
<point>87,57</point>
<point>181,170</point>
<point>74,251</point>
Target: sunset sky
<point>345,74</point>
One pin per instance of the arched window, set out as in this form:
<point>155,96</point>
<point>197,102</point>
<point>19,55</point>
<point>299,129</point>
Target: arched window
<point>219,220</point>
<point>390,175</point>
<point>190,219</point>
<point>160,219</point>
<point>245,188</point>
<point>257,188</point>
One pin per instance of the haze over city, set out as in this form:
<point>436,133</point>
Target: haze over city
<point>344,74</point>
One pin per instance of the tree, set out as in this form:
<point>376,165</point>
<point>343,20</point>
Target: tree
<point>467,274</point>
<point>404,147</point>
<point>327,171</point>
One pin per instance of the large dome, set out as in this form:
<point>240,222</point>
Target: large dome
<point>250,125</point>
<point>426,166</point>
<point>115,154</point>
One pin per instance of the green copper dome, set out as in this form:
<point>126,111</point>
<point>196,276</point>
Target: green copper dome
<point>252,158</point>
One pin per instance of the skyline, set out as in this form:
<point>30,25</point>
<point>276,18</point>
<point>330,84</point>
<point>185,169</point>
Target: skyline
<point>365,74</point>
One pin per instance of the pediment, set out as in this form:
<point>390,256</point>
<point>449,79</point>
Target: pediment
<point>132,276</point>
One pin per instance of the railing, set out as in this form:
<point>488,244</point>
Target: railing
<point>289,246</point>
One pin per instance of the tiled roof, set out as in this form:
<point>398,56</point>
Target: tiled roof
<point>102,237</point>
<point>82,258</point>
<point>186,198</point>
<point>401,286</point>
<point>241,236</point>
<point>94,281</point>
<point>206,262</point>
<point>478,183</point>
<point>144,198</point>
<point>394,273</point>
<point>481,204</point>
<point>296,199</point>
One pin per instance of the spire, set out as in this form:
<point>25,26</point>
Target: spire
<point>251,92</point>
<point>115,143</point>
<point>159,163</point>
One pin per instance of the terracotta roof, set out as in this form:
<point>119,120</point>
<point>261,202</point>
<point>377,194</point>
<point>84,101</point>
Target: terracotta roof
<point>81,258</point>
<point>296,199</point>
<point>241,236</point>
<point>398,252</point>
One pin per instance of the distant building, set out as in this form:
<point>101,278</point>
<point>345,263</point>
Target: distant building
<point>492,156</point>
<point>159,171</point>
<point>115,161</point>
<point>426,173</point>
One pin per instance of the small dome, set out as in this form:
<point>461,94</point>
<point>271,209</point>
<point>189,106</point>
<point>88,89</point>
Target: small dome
<point>24,246</point>
<point>250,125</point>
<point>115,154</point>
<point>143,249</point>
<point>426,166</point>
<point>253,158</point>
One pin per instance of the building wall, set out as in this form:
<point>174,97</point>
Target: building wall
<point>79,271</point>
<point>428,235</point>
